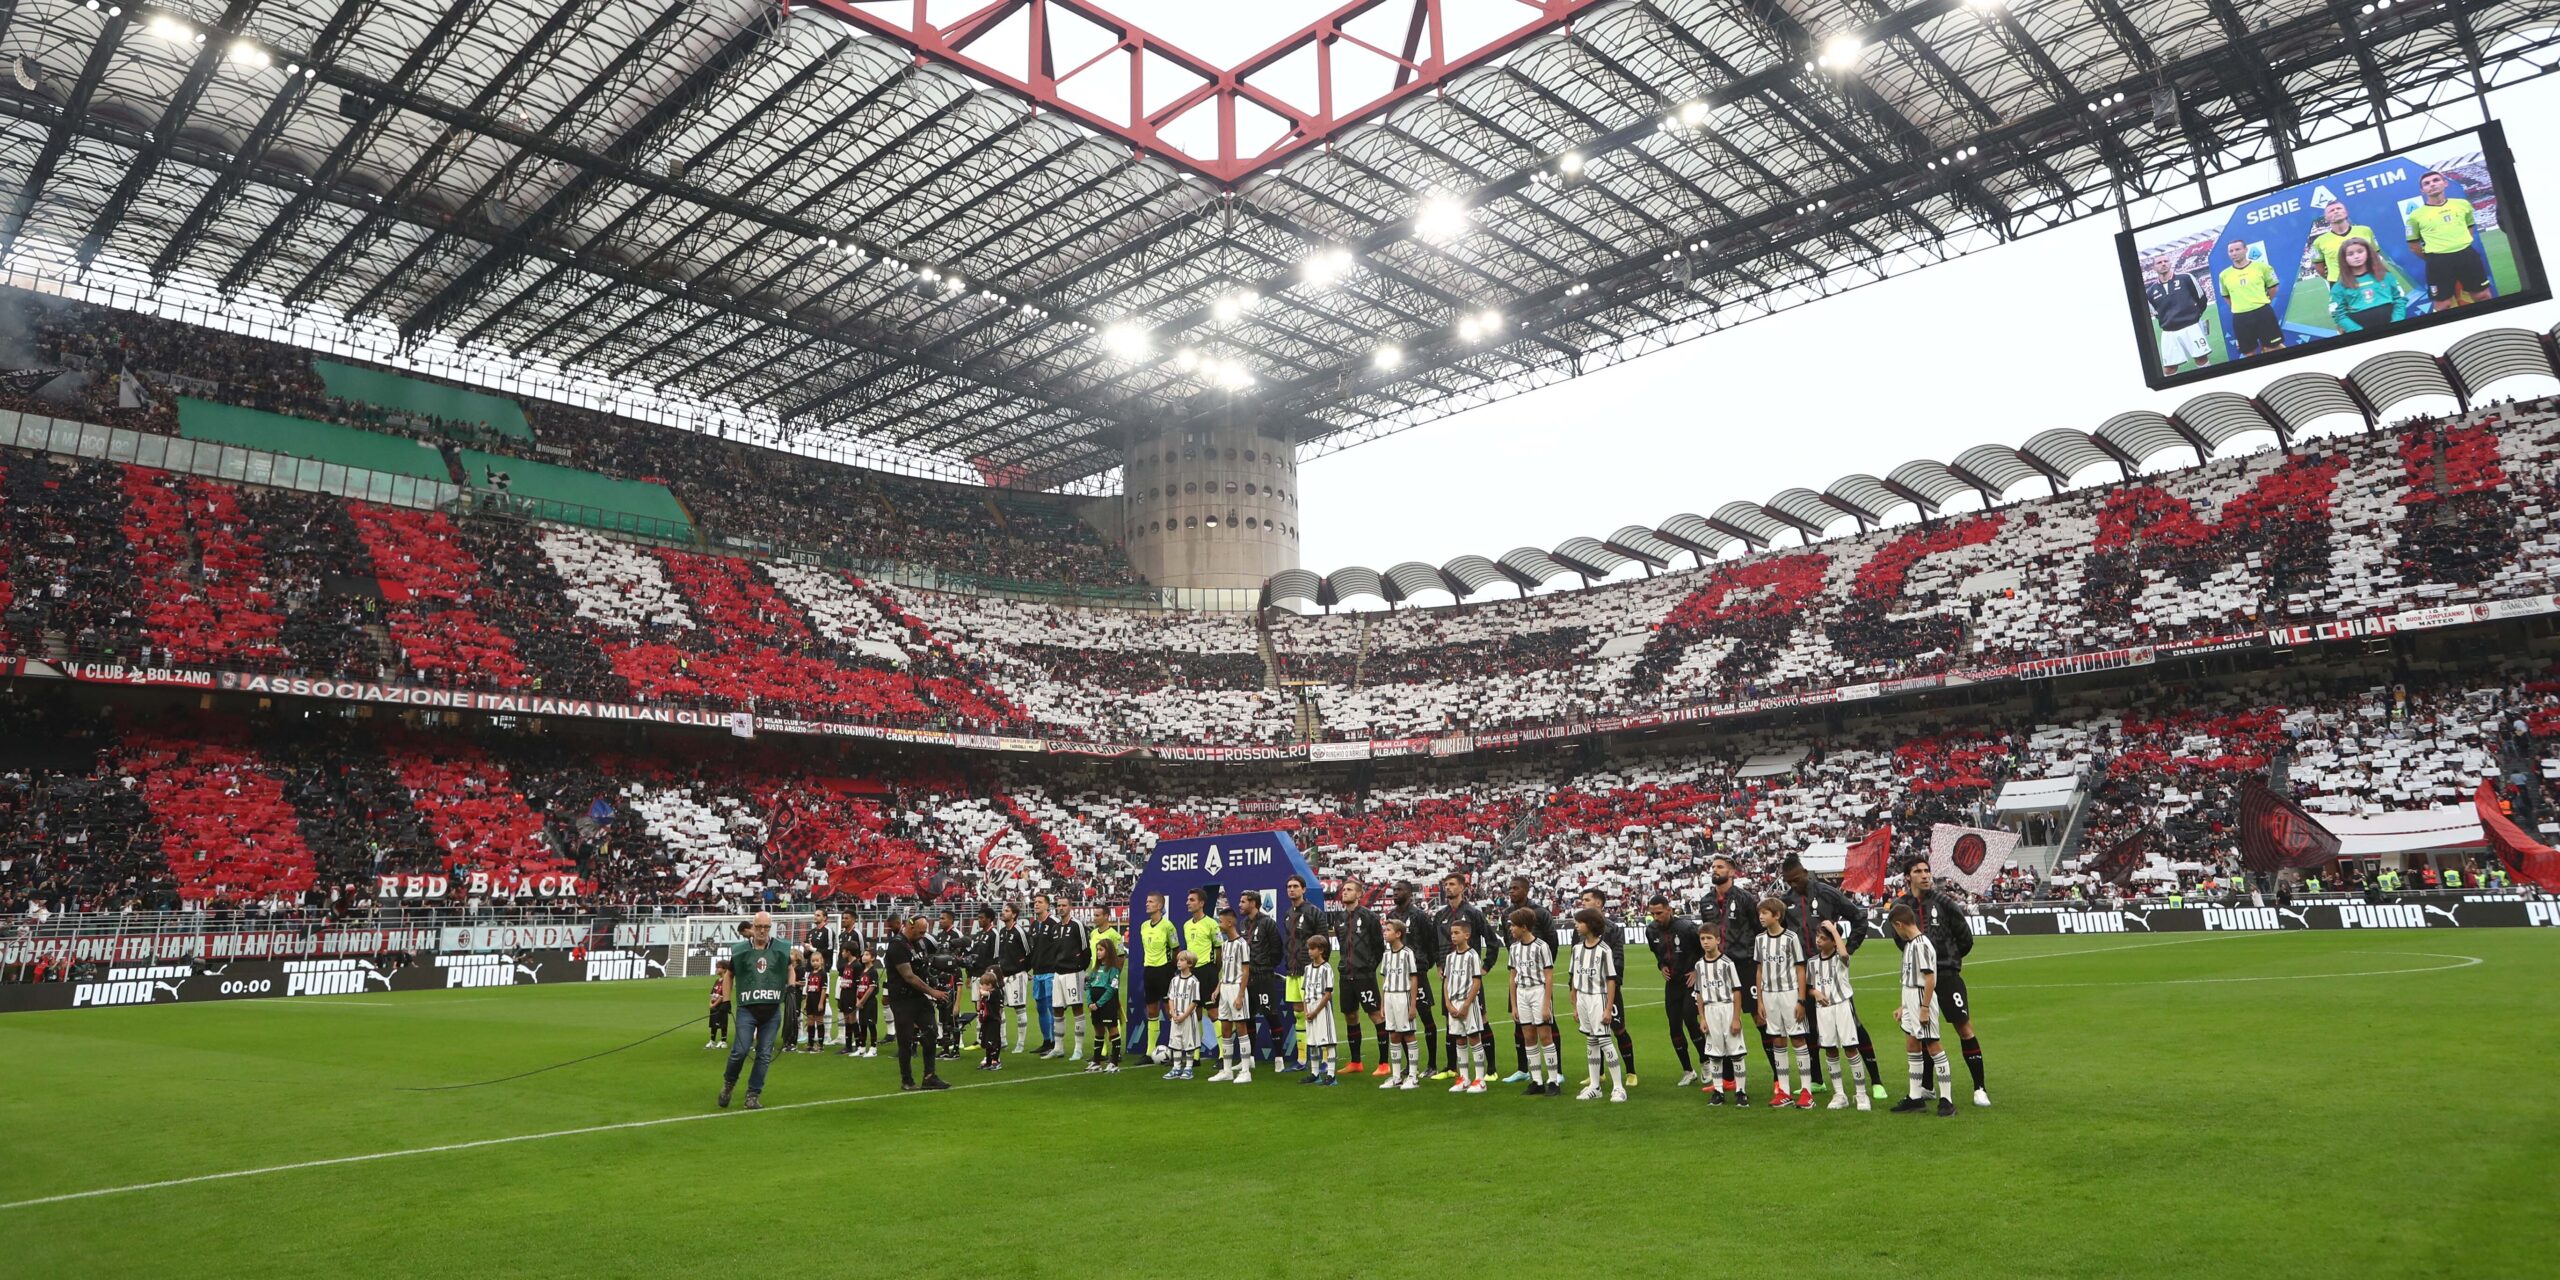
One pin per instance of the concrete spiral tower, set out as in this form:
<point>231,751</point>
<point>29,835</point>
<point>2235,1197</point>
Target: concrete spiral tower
<point>1210,507</point>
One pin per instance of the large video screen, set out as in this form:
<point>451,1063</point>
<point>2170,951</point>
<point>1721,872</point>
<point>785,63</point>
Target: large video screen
<point>2425,236</point>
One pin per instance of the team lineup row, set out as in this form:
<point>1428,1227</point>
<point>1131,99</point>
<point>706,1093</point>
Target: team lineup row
<point>1282,984</point>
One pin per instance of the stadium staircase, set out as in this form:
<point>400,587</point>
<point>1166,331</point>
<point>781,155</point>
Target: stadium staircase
<point>1360,657</point>
<point>2076,831</point>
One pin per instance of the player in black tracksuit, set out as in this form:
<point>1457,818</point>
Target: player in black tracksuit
<point>1061,953</point>
<point>1810,902</point>
<point>1363,940</point>
<point>945,939</point>
<point>1454,907</point>
<point>1676,953</point>
<point>1943,920</point>
<point>1731,913</point>
<point>1421,940</point>
<point>1546,929</point>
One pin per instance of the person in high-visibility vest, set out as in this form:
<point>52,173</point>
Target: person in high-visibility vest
<point>2453,876</point>
<point>2443,229</point>
<point>2390,880</point>
<point>2311,883</point>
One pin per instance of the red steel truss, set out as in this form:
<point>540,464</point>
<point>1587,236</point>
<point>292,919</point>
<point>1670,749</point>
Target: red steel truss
<point>1130,53</point>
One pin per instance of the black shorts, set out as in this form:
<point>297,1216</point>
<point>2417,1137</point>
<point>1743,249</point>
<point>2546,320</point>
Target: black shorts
<point>1361,990</point>
<point>1953,1004</point>
<point>2253,329</point>
<point>1107,1009</point>
<point>1159,981</point>
<point>1264,991</point>
<point>2463,268</point>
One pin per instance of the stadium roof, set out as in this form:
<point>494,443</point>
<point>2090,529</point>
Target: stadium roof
<point>2125,442</point>
<point>855,241</point>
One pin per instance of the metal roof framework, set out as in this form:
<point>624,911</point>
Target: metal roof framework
<point>2207,424</point>
<point>858,244</point>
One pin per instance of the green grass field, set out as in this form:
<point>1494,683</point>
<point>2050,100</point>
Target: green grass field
<point>2343,1103</point>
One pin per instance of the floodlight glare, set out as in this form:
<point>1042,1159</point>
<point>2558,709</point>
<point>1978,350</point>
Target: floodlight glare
<point>1441,219</point>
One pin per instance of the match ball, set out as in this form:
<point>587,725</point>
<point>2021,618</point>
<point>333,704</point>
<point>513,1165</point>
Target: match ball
<point>1162,1055</point>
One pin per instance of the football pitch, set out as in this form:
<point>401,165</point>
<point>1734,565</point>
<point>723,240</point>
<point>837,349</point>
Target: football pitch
<point>2353,1103</point>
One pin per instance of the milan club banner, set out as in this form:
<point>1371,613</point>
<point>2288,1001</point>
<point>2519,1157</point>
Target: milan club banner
<point>2401,911</point>
<point>114,985</point>
<point>1969,856</point>
<point>255,944</point>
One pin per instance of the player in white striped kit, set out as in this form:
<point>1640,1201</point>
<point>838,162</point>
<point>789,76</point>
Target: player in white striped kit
<point>1920,1041</point>
<point>1533,1002</point>
<point>1235,1006</point>
<point>1595,999</point>
<point>1835,1017</point>
<point>1324,1022</point>
<point>1781,960</point>
<point>1183,996</point>
<point>1399,1006</point>
<point>1462,986</point>
<point>1719,989</point>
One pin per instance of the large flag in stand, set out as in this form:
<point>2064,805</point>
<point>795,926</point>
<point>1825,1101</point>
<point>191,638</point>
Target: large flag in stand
<point>2527,859</point>
<point>2276,833</point>
<point>2117,865</point>
<point>1970,856</point>
<point>1864,871</point>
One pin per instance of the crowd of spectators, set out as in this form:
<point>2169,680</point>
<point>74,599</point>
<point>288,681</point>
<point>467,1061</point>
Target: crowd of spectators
<point>734,490</point>
<point>304,808</point>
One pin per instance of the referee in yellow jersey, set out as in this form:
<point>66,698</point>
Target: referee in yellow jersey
<point>2444,232</point>
<point>2250,287</point>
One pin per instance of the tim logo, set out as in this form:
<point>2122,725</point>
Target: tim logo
<point>622,966</point>
<point>331,977</point>
<point>486,971</point>
<point>133,985</point>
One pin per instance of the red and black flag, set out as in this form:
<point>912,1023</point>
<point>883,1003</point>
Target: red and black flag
<point>1863,870</point>
<point>2117,865</point>
<point>2527,860</point>
<point>2275,833</point>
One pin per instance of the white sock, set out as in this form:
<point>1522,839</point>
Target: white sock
<point>1475,1063</point>
<point>1555,1063</point>
<point>1609,1057</point>
<point>1919,1064</point>
<point>1946,1083</point>
<point>1857,1069</point>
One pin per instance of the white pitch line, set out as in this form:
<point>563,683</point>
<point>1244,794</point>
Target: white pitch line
<point>500,1142</point>
<point>2459,962</point>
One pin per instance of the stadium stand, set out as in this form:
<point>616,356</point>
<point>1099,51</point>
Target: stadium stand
<point>197,810</point>
<point>762,497</point>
